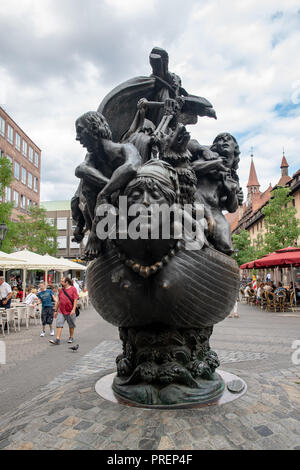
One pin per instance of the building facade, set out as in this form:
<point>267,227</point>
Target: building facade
<point>59,215</point>
<point>250,216</point>
<point>25,157</point>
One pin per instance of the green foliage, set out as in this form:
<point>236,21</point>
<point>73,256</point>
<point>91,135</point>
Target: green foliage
<point>5,207</point>
<point>283,228</point>
<point>31,231</point>
<point>35,233</point>
<point>244,251</point>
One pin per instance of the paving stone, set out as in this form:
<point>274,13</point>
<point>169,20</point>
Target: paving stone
<point>69,434</point>
<point>68,414</point>
<point>86,438</point>
<point>166,443</point>
<point>148,444</point>
<point>82,425</point>
<point>263,430</point>
<point>4,443</point>
<point>48,427</point>
<point>71,421</point>
<point>25,446</point>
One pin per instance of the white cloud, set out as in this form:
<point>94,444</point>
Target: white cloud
<point>242,56</point>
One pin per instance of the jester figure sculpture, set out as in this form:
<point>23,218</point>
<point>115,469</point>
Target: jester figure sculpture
<point>159,246</point>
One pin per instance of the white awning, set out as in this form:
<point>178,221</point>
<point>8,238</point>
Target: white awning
<point>8,261</point>
<point>38,262</point>
<point>65,263</point>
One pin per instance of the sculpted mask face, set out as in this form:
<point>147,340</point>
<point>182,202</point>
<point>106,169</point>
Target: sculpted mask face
<point>145,197</point>
<point>152,192</point>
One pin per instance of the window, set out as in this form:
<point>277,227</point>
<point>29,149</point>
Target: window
<point>73,244</point>
<point>36,159</point>
<point>29,203</point>
<point>23,177</point>
<point>62,242</point>
<point>51,222</point>
<point>17,171</point>
<point>9,158</point>
<point>23,202</point>
<point>16,199</point>
<point>62,224</point>
<point>29,180</point>
<point>24,148</point>
<point>7,194</point>
<point>18,142</point>
<point>30,156</point>
<point>10,134</point>
<point>2,126</point>
<point>35,184</point>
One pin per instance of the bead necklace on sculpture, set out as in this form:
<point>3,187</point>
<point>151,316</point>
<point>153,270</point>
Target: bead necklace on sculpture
<point>151,200</point>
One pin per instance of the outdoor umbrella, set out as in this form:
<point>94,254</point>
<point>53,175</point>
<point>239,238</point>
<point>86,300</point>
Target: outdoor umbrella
<point>37,262</point>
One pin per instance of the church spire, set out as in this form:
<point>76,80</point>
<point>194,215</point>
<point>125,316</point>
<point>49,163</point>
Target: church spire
<point>285,178</point>
<point>253,184</point>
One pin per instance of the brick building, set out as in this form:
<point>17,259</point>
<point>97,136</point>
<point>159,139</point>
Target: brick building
<point>25,157</point>
<point>250,216</point>
<point>59,214</point>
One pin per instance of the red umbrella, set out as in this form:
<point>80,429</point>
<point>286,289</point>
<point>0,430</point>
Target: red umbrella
<point>252,264</point>
<point>284,258</point>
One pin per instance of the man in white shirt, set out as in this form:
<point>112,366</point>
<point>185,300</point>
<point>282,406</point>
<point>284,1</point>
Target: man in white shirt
<point>5,293</point>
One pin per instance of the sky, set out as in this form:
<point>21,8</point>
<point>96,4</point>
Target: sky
<point>58,59</point>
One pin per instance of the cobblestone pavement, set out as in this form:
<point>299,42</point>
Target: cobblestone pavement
<point>68,414</point>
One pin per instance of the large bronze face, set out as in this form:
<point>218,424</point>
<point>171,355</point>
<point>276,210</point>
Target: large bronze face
<point>148,199</point>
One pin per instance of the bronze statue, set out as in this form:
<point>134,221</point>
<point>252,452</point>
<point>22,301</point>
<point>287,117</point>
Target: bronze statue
<point>160,271</point>
<point>218,186</point>
<point>107,167</point>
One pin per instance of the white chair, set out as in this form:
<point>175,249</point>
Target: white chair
<point>33,314</point>
<point>9,316</point>
<point>2,320</point>
<point>22,314</point>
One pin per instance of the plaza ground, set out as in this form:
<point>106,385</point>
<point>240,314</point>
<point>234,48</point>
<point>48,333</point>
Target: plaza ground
<point>48,401</point>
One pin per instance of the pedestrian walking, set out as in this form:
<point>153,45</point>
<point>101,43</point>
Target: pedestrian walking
<point>65,310</point>
<point>234,311</point>
<point>46,297</point>
<point>5,293</point>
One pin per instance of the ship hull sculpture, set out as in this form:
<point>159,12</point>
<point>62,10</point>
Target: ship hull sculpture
<point>164,293</point>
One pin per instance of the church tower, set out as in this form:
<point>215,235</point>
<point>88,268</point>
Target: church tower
<point>253,184</point>
<point>285,178</point>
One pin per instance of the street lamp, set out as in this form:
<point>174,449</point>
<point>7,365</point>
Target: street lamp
<point>3,232</point>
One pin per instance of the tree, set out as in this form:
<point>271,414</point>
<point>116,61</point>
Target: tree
<point>244,251</point>
<point>6,207</point>
<point>31,231</point>
<point>35,233</point>
<point>282,226</point>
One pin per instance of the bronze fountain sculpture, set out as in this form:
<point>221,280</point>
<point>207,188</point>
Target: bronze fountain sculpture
<point>164,292</point>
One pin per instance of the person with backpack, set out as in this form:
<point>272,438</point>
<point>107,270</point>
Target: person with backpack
<point>45,297</point>
<point>65,310</point>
